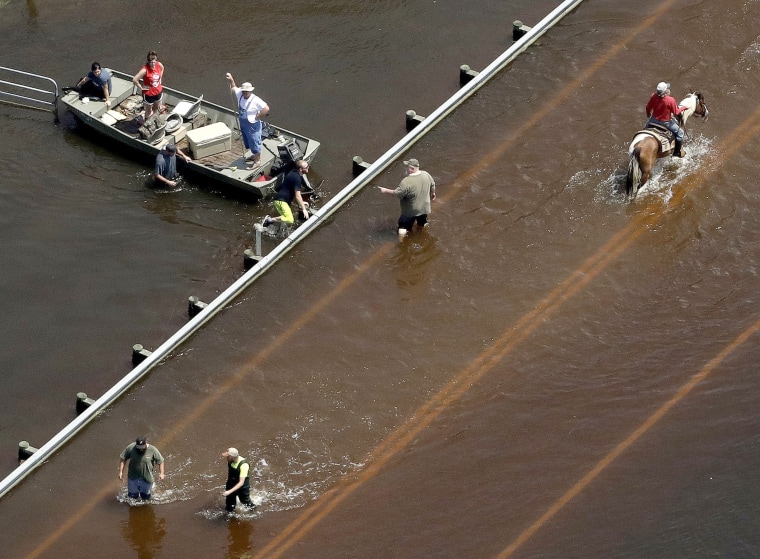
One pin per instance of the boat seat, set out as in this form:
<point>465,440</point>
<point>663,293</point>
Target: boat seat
<point>188,110</point>
<point>157,136</point>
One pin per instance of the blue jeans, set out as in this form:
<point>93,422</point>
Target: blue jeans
<point>139,487</point>
<point>671,125</point>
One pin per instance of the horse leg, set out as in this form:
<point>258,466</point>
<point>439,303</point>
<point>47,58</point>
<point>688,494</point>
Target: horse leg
<point>647,161</point>
<point>633,178</point>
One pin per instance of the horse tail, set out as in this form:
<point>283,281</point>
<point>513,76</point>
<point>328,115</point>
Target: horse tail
<point>633,178</point>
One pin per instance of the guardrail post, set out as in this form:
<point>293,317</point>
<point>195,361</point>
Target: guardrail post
<point>139,354</point>
<point>83,402</point>
<point>251,258</point>
<point>358,166</point>
<point>25,450</point>
<point>466,74</point>
<point>194,306</point>
<point>412,120</point>
<point>518,30</point>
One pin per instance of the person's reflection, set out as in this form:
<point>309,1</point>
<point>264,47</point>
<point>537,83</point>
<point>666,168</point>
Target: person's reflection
<point>412,262</point>
<point>239,538</point>
<point>143,531</point>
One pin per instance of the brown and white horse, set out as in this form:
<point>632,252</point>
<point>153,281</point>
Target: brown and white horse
<point>646,146</point>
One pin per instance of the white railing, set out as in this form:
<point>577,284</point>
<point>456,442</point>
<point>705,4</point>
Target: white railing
<point>23,89</point>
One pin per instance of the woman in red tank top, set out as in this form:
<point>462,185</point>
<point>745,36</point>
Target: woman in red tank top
<point>149,80</point>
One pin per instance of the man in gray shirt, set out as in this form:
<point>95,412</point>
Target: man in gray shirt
<point>165,170</point>
<point>415,193</point>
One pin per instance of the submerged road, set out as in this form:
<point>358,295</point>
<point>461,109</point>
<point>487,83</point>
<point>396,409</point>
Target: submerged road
<point>293,532</point>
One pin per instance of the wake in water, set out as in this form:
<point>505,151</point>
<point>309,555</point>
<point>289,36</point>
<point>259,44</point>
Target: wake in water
<point>667,174</point>
<point>304,476</point>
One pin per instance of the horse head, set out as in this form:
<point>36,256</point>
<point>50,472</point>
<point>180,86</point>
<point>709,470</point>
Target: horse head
<point>695,105</point>
<point>701,109</point>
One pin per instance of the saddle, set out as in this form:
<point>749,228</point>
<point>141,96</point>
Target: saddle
<point>660,133</point>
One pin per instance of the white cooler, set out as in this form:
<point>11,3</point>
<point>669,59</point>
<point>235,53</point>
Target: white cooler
<point>209,140</point>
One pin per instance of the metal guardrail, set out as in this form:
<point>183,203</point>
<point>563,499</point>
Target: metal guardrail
<point>26,94</point>
<point>229,294</point>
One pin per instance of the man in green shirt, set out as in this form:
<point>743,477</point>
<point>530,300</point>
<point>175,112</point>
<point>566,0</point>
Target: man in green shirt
<point>142,458</point>
<point>415,193</point>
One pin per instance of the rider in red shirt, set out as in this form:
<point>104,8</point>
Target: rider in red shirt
<point>661,109</point>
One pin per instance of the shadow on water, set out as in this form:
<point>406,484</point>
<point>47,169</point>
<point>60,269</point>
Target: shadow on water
<point>144,531</point>
<point>239,538</point>
<point>412,261</point>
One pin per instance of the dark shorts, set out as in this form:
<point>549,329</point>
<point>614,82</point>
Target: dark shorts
<point>407,223</point>
<point>150,99</point>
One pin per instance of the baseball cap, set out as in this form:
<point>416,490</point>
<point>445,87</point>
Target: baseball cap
<point>412,163</point>
<point>141,443</point>
<point>662,87</point>
<point>171,148</point>
<point>232,451</point>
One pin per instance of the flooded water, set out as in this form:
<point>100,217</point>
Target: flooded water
<point>549,371</point>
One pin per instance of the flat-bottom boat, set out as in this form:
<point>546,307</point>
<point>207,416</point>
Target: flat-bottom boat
<point>206,132</point>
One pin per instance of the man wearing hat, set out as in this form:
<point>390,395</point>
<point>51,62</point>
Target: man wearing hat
<point>415,192</point>
<point>142,458</point>
<point>165,170</point>
<point>238,484</point>
<point>661,109</point>
<point>251,109</point>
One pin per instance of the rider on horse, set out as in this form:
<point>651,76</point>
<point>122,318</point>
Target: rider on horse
<point>661,109</point>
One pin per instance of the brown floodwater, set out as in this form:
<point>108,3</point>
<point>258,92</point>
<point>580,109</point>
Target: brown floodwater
<point>548,371</point>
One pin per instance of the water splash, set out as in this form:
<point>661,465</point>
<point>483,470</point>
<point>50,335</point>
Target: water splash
<point>668,172</point>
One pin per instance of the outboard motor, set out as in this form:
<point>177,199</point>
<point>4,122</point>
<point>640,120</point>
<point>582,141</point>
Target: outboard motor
<point>289,153</point>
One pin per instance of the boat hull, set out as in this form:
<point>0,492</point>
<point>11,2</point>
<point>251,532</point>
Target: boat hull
<point>227,167</point>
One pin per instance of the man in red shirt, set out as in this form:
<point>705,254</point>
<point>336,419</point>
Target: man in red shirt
<point>661,109</point>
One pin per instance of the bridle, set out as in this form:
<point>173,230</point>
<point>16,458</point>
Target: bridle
<point>701,108</point>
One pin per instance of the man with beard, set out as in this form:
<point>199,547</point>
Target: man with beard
<point>142,458</point>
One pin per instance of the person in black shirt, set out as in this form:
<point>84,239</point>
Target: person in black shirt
<point>290,189</point>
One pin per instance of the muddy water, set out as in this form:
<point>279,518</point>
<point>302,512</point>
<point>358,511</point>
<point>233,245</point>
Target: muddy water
<point>549,372</point>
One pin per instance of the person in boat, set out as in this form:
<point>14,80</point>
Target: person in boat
<point>661,110</point>
<point>415,192</point>
<point>251,109</point>
<point>150,80</point>
<point>238,484</point>
<point>165,170</point>
<point>289,190</point>
<point>97,83</point>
